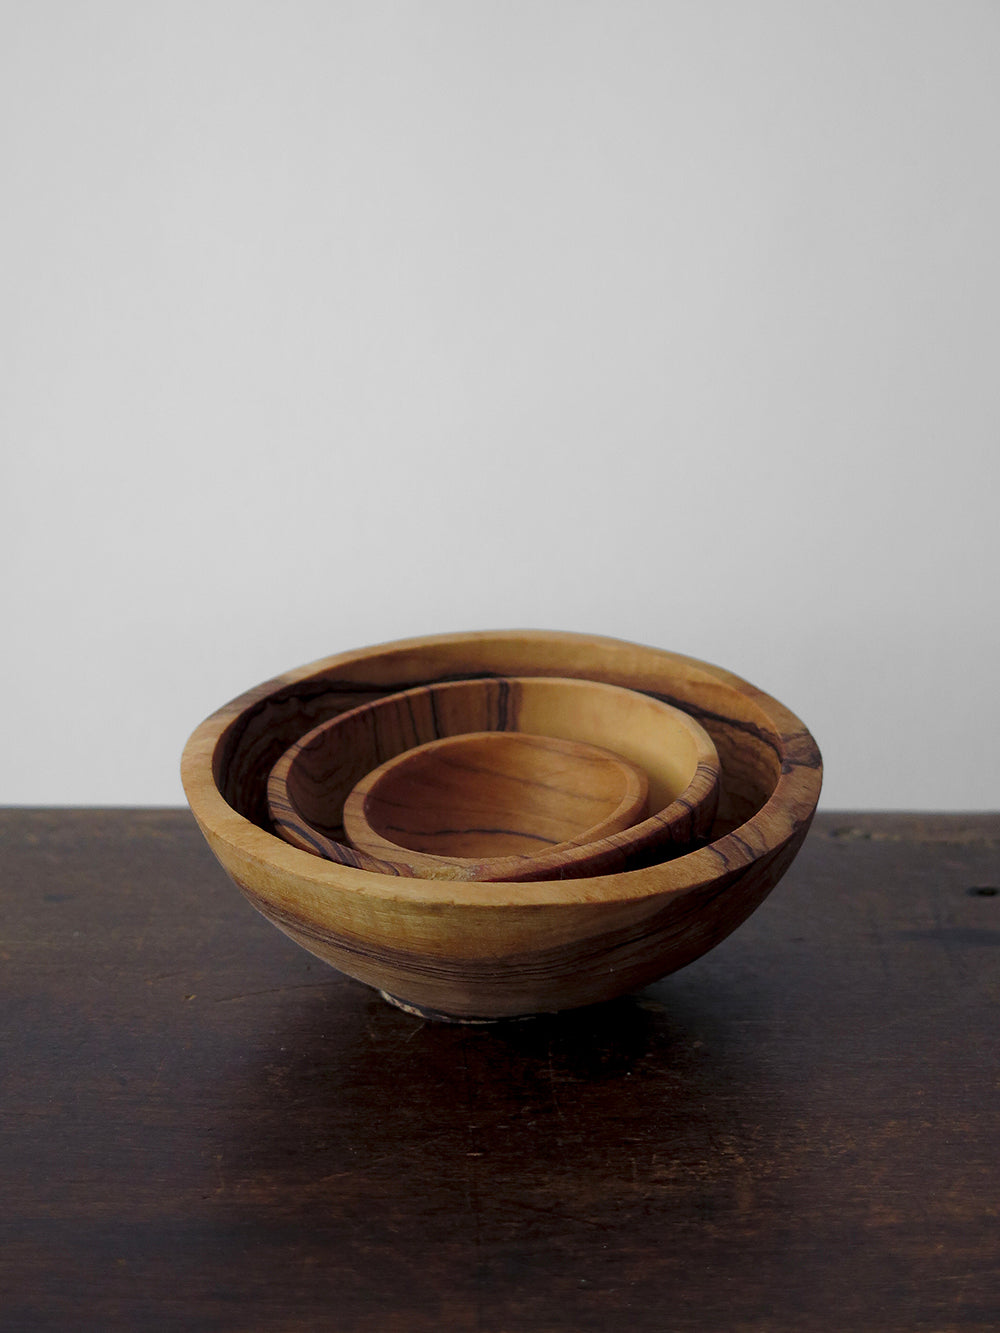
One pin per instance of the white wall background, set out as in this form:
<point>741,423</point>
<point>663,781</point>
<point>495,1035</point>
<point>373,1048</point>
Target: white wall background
<point>328,323</point>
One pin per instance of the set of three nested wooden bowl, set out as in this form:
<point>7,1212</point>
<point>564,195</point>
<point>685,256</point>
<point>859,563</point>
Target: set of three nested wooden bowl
<point>492,825</point>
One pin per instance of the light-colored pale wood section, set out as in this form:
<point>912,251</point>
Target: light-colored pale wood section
<point>497,949</point>
<point>309,784</point>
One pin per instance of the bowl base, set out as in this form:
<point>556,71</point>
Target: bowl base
<point>436,1016</point>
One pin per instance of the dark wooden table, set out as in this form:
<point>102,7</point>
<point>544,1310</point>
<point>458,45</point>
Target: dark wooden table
<point>203,1127</point>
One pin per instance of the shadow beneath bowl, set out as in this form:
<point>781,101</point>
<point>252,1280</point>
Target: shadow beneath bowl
<point>447,1172</point>
<point>370,1110</point>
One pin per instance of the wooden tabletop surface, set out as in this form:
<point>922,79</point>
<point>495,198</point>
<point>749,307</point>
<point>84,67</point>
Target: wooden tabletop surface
<point>202,1127</point>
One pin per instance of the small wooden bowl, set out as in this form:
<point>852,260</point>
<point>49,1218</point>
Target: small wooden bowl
<point>497,950</point>
<point>308,786</point>
<point>480,805</point>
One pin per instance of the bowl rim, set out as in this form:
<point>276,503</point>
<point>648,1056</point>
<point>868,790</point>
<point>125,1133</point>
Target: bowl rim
<point>786,812</point>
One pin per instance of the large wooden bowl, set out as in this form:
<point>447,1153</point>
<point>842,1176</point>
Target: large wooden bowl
<point>494,950</point>
<point>308,785</point>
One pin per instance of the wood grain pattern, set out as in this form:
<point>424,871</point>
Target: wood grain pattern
<point>504,949</point>
<point>481,805</point>
<point>207,1130</point>
<point>309,784</point>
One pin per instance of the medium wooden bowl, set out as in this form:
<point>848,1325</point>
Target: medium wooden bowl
<point>309,784</point>
<point>484,805</point>
<point>496,950</point>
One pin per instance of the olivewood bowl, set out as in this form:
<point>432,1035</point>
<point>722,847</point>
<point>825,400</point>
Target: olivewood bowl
<point>484,804</point>
<point>310,783</point>
<point>474,950</point>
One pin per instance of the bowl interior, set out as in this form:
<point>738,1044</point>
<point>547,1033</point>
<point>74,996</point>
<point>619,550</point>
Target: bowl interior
<point>311,781</point>
<point>493,794</point>
<point>265,722</point>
